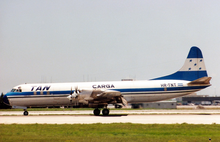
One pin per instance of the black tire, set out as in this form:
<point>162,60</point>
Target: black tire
<point>105,112</point>
<point>25,113</point>
<point>96,112</point>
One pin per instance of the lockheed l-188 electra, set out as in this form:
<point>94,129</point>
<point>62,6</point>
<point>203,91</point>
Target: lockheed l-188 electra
<point>191,78</point>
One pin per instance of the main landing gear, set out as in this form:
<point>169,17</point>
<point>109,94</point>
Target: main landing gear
<point>25,112</point>
<point>105,112</point>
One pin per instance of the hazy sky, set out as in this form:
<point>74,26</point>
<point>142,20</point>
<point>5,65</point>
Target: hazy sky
<point>96,40</point>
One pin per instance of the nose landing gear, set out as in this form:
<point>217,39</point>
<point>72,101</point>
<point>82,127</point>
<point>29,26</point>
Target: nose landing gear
<point>25,112</point>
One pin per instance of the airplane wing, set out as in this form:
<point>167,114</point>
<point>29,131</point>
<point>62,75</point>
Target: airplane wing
<point>109,94</point>
<point>108,97</point>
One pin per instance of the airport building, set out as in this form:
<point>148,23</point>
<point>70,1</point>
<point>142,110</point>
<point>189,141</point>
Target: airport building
<point>199,100</point>
<point>192,99</point>
<point>156,105</point>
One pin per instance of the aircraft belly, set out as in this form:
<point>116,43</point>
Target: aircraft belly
<point>138,98</point>
<point>31,101</point>
<point>39,101</point>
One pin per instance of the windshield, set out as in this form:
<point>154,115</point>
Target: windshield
<point>13,90</point>
<point>16,90</point>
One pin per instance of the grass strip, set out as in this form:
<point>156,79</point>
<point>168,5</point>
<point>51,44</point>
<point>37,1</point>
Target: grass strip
<point>117,132</point>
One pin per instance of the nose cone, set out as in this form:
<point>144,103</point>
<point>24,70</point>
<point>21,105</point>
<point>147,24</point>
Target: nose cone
<point>5,100</point>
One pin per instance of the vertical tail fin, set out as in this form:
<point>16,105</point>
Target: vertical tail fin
<point>193,68</point>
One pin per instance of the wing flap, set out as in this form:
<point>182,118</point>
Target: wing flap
<point>109,94</point>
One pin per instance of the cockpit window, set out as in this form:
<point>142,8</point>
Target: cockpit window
<point>16,90</point>
<point>13,90</point>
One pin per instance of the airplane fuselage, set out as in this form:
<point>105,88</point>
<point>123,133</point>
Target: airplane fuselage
<point>52,94</point>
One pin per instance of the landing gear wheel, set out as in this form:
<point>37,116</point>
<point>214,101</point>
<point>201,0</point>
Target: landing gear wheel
<point>96,111</point>
<point>105,112</point>
<point>25,113</point>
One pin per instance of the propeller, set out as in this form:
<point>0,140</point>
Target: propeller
<point>74,94</point>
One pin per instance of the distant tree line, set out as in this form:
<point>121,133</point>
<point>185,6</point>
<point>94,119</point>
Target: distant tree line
<point>2,105</point>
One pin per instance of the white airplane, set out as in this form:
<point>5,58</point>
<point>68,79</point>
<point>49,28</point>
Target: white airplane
<point>190,78</point>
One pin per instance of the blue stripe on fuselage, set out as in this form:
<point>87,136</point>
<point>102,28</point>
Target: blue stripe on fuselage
<point>130,90</point>
<point>133,90</point>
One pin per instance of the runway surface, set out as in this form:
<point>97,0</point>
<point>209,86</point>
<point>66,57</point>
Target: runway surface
<point>89,119</point>
<point>124,112</point>
<point>152,116</point>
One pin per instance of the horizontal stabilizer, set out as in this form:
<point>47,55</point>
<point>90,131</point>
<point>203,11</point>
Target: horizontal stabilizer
<point>202,81</point>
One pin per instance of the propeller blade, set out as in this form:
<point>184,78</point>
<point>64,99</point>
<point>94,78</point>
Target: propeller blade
<point>71,92</point>
<point>70,97</point>
<point>76,89</point>
<point>76,92</point>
